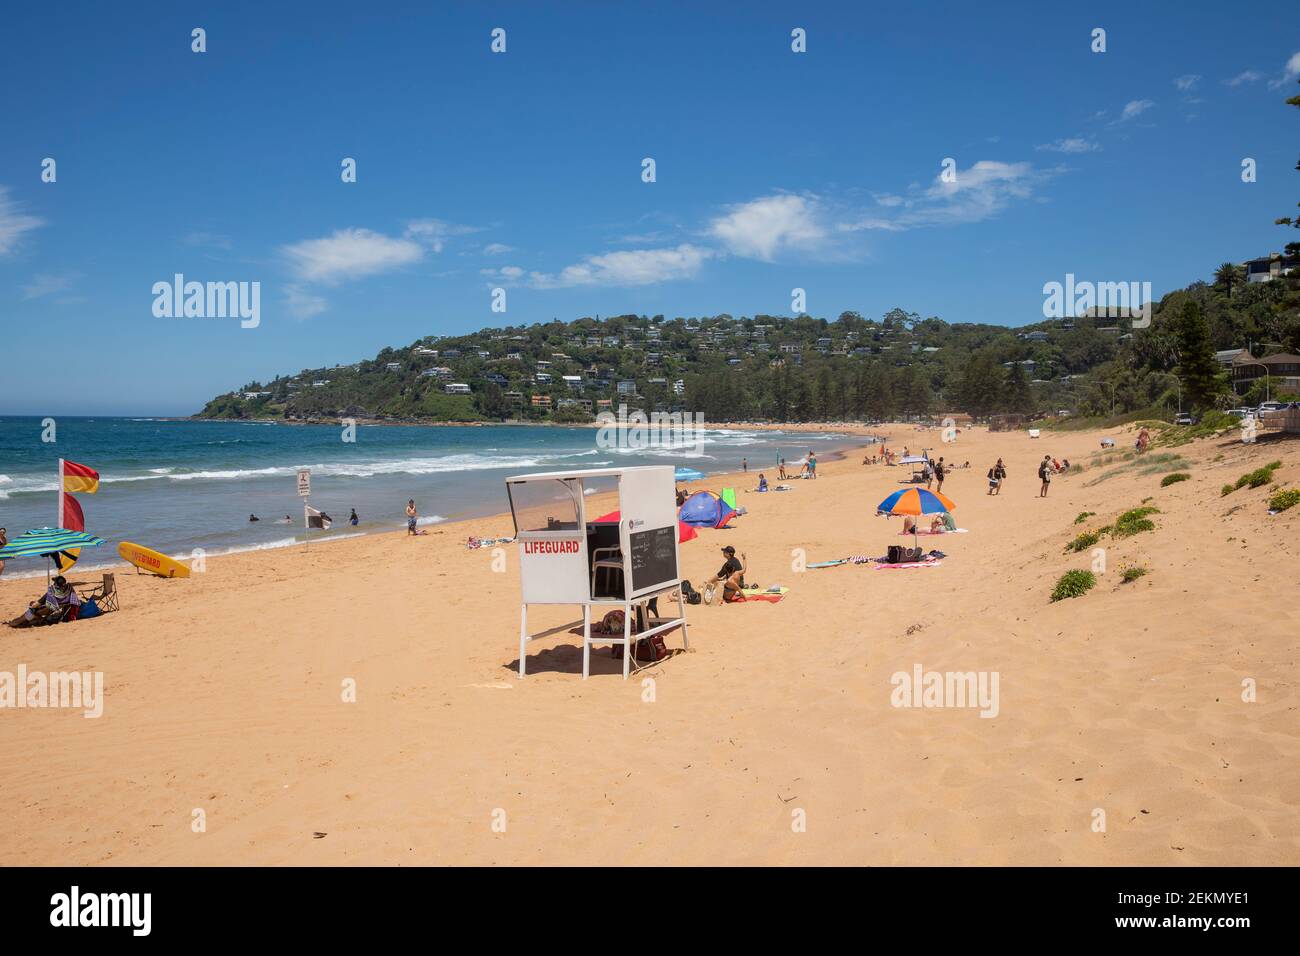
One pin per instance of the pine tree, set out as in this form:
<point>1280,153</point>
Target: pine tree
<point>1203,380</point>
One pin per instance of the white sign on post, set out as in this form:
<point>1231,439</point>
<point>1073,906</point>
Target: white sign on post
<point>304,482</point>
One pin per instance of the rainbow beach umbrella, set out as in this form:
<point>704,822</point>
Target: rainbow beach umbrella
<point>916,501</point>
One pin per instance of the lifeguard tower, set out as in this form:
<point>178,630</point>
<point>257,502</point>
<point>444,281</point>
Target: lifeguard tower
<point>623,563</point>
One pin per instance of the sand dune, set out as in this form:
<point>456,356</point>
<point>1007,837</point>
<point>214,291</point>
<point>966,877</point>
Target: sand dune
<point>223,693</point>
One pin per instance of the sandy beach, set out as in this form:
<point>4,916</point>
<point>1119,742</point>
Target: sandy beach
<point>224,693</point>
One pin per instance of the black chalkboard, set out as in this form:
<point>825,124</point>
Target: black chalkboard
<point>654,557</point>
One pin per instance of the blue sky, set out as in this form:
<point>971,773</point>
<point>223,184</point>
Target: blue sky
<point>522,170</point>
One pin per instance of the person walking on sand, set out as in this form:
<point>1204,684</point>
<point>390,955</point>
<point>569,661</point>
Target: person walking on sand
<point>1045,474</point>
<point>812,464</point>
<point>744,464</point>
<point>412,516</point>
<point>996,474</point>
<point>939,472</point>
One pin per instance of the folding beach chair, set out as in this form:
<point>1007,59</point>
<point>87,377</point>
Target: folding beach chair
<point>104,594</point>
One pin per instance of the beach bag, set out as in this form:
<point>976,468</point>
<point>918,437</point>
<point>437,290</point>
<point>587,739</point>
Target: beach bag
<point>689,594</point>
<point>895,554</point>
<point>89,609</point>
<point>650,649</point>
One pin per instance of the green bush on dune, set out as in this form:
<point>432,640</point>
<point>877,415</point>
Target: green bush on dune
<point>1173,479</point>
<point>1134,521</point>
<point>1282,500</point>
<point>1085,540</point>
<point>1073,584</point>
<point>1130,575</point>
<point>1083,516</point>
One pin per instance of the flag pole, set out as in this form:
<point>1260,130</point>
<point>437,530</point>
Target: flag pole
<point>60,493</point>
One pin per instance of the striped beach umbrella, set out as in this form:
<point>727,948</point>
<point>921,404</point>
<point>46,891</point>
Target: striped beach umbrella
<point>916,501</point>
<point>52,543</point>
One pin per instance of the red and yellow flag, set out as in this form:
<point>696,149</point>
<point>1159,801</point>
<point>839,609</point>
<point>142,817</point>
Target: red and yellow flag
<point>78,478</point>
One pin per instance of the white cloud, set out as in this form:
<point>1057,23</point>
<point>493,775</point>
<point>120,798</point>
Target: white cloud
<point>761,228</point>
<point>301,303</point>
<point>49,284</point>
<point>497,248</point>
<point>1134,109</point>
<point>633,267</point>
<point>1187,81</point>
<point>977,193</point>
<point>1071,144</point>
<point>13,223</point>
<point>435,232</point>
<point>1246,76</point>
<point>349,254</point>
<point>1289,72</point>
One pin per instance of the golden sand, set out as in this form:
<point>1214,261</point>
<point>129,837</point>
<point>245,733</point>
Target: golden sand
<point>773,741</point>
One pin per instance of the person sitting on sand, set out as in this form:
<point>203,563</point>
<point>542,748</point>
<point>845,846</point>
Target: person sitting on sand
<point>60,595</point>
<point>909,524</point>
<point>762,482</point>
<point>731,574</point>
<point>936,525</point>
<point>681,497</point>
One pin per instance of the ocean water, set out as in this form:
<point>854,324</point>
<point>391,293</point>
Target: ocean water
<point>178,485</point>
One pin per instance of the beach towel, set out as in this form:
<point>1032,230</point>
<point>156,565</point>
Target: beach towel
<point>772,595</point>
<point>926,563</point>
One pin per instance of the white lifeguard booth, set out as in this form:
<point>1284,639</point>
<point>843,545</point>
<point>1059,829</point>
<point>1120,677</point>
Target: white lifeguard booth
<point>565,557</point>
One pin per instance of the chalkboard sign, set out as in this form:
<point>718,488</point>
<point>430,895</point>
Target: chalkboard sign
<point>654,557</point>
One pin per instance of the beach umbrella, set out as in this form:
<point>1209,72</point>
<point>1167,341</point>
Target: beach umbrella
<point>915,501</point>
<point>687,474</point>
<point>684,531</point>
<point>52,543</point>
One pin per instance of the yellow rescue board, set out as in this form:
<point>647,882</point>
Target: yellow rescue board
<point>147,559</point>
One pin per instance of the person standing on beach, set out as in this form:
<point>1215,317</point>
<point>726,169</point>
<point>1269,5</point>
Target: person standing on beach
<point>412,516</point>
<point>939,473</point>
<point>1045,474</point>
<point>353,519</point>
<point>996,474</point>
<point>744,464</point>
<point>4,540</point>
<point>812,464</point>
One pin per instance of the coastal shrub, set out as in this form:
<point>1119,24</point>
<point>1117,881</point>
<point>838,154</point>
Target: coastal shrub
<point>1282,500</point>
<point>1173,479</point>
<point>1129,575</point>
<point>1227,490</point>
<point>1083,516</point>
<point>1134,522</point>
<point>1073,584</point>
<point>1085,540</point>
<point>1254,479</point>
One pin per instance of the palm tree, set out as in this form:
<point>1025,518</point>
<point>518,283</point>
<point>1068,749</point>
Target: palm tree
<point>1227,275</point>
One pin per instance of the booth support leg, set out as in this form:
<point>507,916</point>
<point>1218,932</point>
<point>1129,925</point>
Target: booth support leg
<point>681,612</point>
<point>586,640</point>
<point>628,650</point>
<point>523,636</point>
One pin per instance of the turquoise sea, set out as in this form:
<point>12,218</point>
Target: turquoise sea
<point>178,485</point>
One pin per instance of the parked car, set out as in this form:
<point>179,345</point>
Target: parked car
<point>1184,418</point>
<point>1271,406</point>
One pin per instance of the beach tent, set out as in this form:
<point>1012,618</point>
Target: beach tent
<point>704,509</point>
<point>684,531</point>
